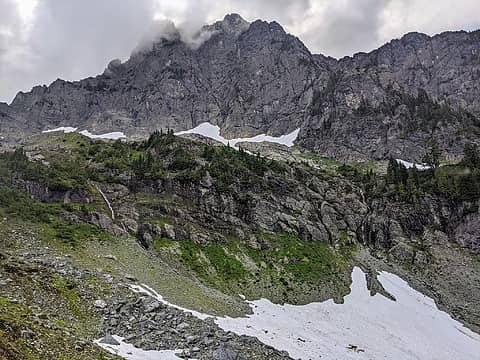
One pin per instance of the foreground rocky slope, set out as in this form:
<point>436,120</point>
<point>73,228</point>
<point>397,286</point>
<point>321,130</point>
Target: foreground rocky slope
<point>70,306</point>
<point>254,78</point>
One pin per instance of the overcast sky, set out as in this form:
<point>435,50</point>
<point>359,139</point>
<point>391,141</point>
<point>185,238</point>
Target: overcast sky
<point>41,40</point>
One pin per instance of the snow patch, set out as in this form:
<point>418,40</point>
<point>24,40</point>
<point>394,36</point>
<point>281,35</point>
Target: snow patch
<point>65,129</point>
<point>213,132</point>
<point>68,129</point>
<point>130,352</point>
<point>110,136</point>
<point>145,289</point>
<point>409,165</point>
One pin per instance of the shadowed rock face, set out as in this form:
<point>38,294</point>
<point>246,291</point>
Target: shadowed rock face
<point>254,78</point>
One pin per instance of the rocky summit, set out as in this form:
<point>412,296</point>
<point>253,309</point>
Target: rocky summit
<point>252,78</point>
<point>161,239</point>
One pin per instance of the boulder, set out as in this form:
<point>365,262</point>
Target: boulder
<point>109,340</point>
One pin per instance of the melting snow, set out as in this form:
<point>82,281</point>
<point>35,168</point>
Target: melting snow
<point>409,165</point>
<point>364,327</point>
<point>144,289</point>
<point>65,129</point>
<point>213,132</point>
<point>130,352</point>
<point>111,136</point>
<point>68,129</point>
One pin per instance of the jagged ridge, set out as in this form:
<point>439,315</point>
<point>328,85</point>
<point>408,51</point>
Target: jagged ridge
<point>253,78</point>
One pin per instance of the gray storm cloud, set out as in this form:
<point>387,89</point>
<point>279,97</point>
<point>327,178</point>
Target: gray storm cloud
<point>11,55</point>
<point>72,39</point>
<point>348,27</point>
<point>9,25</point>
<point>67,39</point>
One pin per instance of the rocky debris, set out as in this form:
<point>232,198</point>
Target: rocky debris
<point>224,353</point>
<point>130,277</point>
<point>105,222</point>
<point>100,304</point>
<point>150,325</point>
<point>355,348</point>
<point>109,340</point>
<point>403,253</point>
<point>168,231</point>
<point>39,302</point>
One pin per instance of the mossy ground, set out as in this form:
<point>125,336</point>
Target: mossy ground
<point>124,256</point>
<point>50,218</point>
<point>287,270</point>
<point>23,336</point>
<point>45,315</point>
<point>331,165</point>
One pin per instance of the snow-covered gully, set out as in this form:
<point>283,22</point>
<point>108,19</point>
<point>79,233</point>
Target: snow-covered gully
<point>363,327</point>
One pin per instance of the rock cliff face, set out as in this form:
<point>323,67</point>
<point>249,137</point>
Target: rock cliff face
<point>253,78</point>
<point>394,100</point>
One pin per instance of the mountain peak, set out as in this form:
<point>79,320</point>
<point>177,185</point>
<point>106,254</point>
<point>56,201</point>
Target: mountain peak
<point>415,37</point>
<point>231,24</point>
<point>233,19</point>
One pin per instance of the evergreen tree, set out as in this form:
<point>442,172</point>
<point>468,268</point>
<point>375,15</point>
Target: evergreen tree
<point>412,191</point>
<point>432,156</point>
<point>469,187</point>
<point>471,156</point>
<point>391,171</point>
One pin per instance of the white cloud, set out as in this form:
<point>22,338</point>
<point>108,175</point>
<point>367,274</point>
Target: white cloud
<point>26,9</point>
<point>402,16</point>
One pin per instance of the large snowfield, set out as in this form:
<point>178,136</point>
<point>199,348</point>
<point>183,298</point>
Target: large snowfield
<point>363,327</point>
<point>213,132</point>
